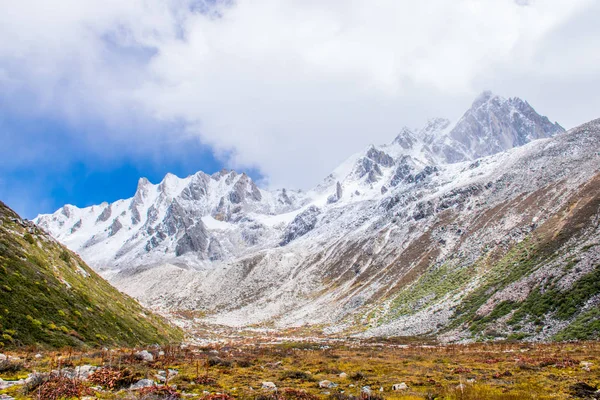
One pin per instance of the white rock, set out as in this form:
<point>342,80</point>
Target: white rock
<point>327,384</point>
<point>400,386</point>
<point>343,375</point>
<point>8,384</point>
<point>142,383</point>
<point>3,357</point>
<point>269,386</point>
<point>38,356</point>
<point>84,371</point>
<point>144,355</point>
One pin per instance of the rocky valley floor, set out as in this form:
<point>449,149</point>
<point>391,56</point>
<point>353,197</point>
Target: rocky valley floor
<point>270,368</point>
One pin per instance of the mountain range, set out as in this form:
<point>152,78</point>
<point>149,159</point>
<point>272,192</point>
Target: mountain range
<point>486,228</point>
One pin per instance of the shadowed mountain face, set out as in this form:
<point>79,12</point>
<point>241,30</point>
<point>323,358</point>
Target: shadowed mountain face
<point>50,297</point>
<point>448,230</point>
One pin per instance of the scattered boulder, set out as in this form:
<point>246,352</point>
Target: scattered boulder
<point>164,377</point>
<point>343,375</point>
<point>327,384</point>
<point>80,372</point>
<point>38,356</point>
<point>8,384</point>
<point>366,390</point>
<point>399,386</point>
<point>144,355</point>
<point>269,386</point>
<point>142,383</point>
<point>3,357</point>
<point>586,366</point>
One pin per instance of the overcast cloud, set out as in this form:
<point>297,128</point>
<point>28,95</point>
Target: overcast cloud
<point>293,87</point>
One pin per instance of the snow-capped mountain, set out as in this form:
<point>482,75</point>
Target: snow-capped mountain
<point>394,241</point>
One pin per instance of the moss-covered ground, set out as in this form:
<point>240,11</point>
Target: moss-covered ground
<point>476,371</point>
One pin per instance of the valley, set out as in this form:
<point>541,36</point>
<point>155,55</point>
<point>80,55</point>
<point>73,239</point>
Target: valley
<point>272,368</point>
<point>483,229</point>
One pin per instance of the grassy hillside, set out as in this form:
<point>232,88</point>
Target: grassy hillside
<point>50,297</point>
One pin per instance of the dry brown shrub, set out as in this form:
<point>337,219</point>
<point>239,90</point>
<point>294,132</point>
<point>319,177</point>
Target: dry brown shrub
<point>205,380</point>
<point>60,387</point>
<point>220,396</point>
<point>112,378</point>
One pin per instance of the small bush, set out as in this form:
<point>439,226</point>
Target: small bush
<point>358,376</point>
<point>584,391</point>
<point>60,387</point>
<point>216,361</point>
<point>297,375</point>
<point>7,366</point>
<point>65,256</point>
<point>112,378</point>
<point>205,380</point>
<point>244,363</point>
<point>295,394</point>
<point>28,238</point>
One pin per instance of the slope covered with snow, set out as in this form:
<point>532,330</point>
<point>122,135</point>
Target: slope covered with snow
<point>365,249</point>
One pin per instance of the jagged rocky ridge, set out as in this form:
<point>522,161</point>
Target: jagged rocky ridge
<point>398,240</point>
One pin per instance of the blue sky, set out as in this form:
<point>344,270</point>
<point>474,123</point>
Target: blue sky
<point>95,94</point>
<point>44,166</point>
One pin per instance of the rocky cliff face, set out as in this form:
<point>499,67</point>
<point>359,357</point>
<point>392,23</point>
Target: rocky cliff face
<point>430,234</point>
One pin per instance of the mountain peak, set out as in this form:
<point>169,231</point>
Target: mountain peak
<point>143,183</point>
<point>494,124</point>
<point>405,138</point>
<point>484,97</point>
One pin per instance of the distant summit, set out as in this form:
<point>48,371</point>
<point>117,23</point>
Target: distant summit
<point>494,124</point>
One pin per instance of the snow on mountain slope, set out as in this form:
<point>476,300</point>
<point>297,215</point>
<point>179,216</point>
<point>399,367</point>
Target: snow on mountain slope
<point>351,253</point>
<point>171,219</point>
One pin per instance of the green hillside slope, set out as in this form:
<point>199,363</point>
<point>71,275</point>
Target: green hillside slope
<point>50,297</point>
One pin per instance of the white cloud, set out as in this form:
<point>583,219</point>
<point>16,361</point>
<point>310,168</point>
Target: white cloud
<point>293,87</point>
